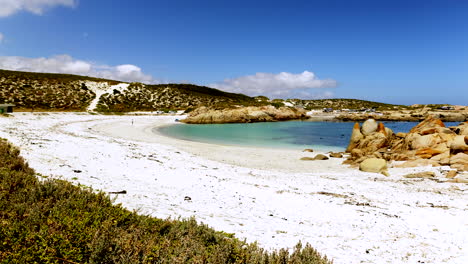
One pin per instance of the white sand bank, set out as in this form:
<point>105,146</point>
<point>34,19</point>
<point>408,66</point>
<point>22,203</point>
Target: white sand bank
<point>271,197</point>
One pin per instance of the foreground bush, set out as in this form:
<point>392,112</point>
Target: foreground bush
<point>53,221</point>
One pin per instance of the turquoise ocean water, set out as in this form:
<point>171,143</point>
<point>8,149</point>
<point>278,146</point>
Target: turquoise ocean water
<point>323,136</point>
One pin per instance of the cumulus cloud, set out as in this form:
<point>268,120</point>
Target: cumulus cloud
<point>281,85</point>
<point>10,7</point>
<point>67,64</point>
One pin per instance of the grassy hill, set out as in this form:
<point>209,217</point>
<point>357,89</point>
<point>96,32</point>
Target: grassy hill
<point>53,221</point>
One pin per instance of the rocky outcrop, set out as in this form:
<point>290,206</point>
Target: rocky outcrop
<point>406,115</point>
<point>428,143</point>
<point>205,115</point>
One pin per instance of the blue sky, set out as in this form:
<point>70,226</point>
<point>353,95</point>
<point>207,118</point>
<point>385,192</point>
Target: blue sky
<point>390,51</point>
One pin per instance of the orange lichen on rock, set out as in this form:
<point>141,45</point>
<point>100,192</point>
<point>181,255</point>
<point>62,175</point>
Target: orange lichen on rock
<point>428,153</point>
<point>429,122</point>
<point>381,129</point>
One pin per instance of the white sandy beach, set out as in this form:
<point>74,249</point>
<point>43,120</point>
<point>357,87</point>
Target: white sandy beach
<point>264,195</point>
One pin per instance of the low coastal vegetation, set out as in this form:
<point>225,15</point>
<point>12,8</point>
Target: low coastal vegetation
<point>52,221</point>
<point>66,92</point>
<point>165,97</point>
<point>45,91</point>
<point>344,104</point>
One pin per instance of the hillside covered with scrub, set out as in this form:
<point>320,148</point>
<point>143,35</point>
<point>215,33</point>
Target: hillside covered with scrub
<point>52,221</point>
<point>141,97</point>
<point>64,92</point>
<point>345,104</point>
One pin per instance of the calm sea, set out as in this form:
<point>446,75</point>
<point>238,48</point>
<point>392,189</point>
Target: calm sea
<point>323,136</point>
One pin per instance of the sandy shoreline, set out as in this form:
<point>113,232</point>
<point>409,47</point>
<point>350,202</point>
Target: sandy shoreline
<point>267,195</point>
<point>250,157</point>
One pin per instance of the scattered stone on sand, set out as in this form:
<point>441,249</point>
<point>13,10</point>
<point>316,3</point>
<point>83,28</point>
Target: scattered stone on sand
<point>308,150</point>
<point>317,157</point>
<point>119,192</point>
<point>459,179</point>
<point>451,174</point>
<point>320,157</point>
<point>336,155</point>
<point>424,174</point>
<point>374,165</point>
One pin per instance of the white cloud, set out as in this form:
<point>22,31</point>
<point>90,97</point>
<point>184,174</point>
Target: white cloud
<point>281,85</point>
<point>1,38</point>
<point>10,7</point>
<point>67,64</point>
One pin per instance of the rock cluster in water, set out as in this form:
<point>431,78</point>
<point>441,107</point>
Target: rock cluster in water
<point>428,143</point>
<point>416,115</point>
<point>205,115</point>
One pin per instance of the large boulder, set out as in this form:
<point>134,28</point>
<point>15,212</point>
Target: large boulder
<point>374,165</point>
<point>459,144</point>
<point>369,127</point>
<point>426,141</point>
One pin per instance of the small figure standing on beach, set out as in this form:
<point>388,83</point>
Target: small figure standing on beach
<point>132,122</point>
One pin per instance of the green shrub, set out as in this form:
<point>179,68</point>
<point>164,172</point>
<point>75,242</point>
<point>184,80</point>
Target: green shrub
<point>53,221</point>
